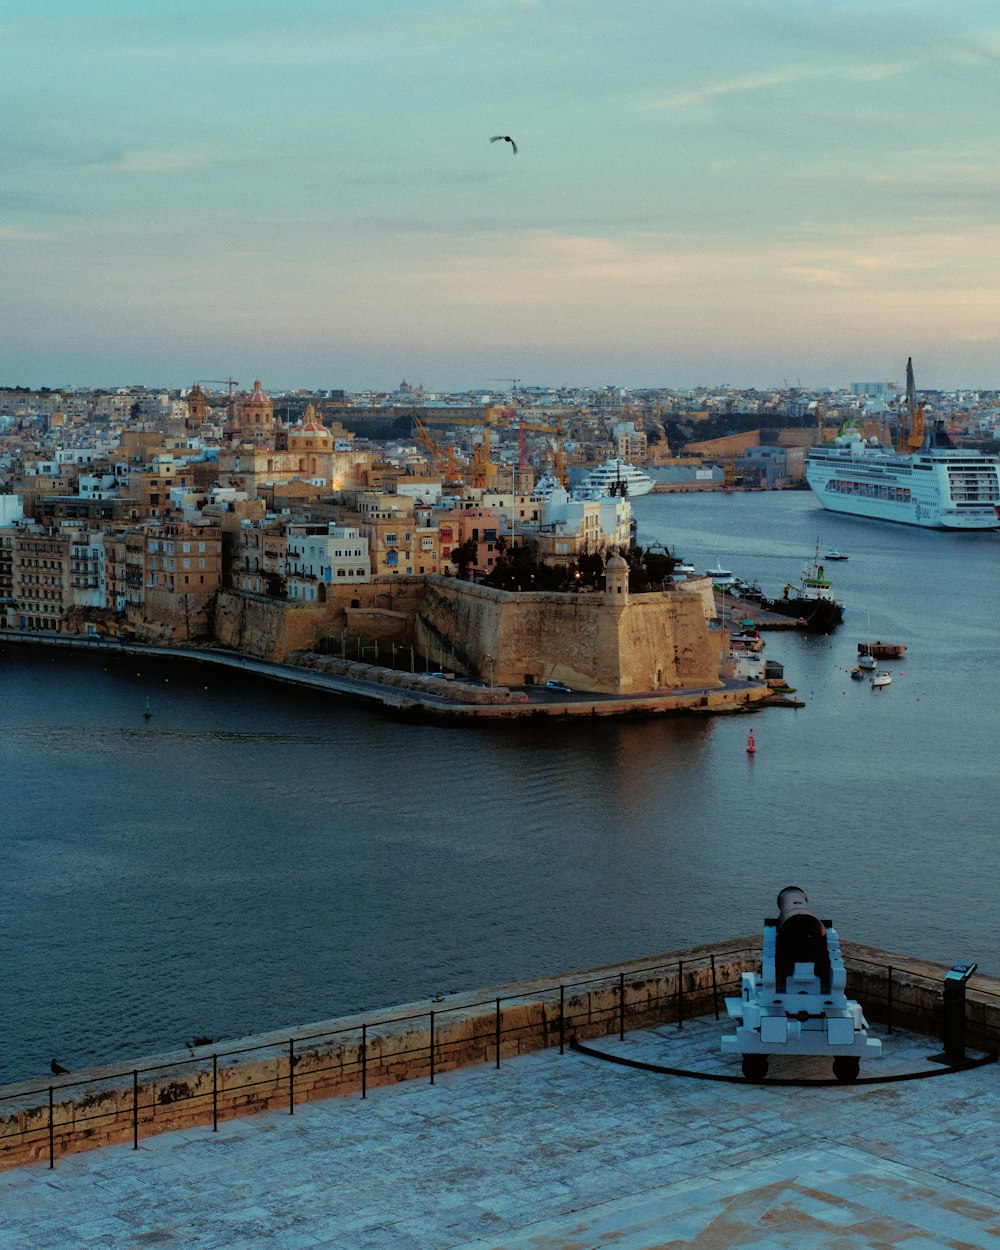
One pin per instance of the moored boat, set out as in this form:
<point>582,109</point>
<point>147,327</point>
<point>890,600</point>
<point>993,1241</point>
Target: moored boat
<point>812,601</point>
<point>614,477</point>
<point>880,680</point>
<point>723,578</point>
<point>881,650</point>
<point>929,482</point>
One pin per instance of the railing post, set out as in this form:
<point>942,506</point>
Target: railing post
<point>680,994</point>
<point>364,1061</point>
<point>715,990</point>
<point>889,1008</point>
<point>135,1109</point>
<point>498,1032</point>
<point>52,1148</point>
<point>215,1093</point>
<point>432,1047</point>
<point>621,1006</point>
<point>562,1019</point>
<point>291,1076</point>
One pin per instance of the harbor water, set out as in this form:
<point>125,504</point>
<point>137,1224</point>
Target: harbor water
<point>256,857</point>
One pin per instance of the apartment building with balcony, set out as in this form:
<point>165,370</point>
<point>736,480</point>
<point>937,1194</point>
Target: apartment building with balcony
<point>323,556</point>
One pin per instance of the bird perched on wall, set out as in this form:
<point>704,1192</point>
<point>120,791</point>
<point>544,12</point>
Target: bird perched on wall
<point>58,1069</point>
<point>506,139</point>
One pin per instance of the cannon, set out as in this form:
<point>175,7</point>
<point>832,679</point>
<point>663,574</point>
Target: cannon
<point>799,1006</point>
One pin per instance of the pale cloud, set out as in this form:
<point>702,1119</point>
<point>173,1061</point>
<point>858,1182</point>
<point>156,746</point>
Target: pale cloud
<point>817,277</point>
<point>734,86</point>
<point>157,161</point>
<point>10,234</point>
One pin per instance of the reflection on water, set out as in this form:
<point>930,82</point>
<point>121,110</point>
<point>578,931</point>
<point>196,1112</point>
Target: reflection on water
<point>257,857</point>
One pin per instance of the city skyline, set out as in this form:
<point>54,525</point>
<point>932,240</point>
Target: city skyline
<point>741,194</point>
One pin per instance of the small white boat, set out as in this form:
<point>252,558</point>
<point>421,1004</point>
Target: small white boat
<point>723,578</point>
<point>684,568</point>
<point>881,679</point>
<point>866,661</point>
<point>834,555</point>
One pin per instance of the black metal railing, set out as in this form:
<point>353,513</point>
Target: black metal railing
<point>671,992</point>
<point>205,1079</point>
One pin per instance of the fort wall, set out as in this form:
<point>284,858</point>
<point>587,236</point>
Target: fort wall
<point>649,643</point>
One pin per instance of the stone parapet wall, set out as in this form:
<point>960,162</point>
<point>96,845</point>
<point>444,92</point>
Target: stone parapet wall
<point>353,1054</point>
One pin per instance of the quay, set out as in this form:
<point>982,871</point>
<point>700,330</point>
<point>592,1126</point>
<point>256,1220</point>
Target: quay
<point>500,1135</point>
<point>411,695</point>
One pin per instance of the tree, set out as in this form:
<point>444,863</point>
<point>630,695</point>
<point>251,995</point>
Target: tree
<point>590,568</point>
<point>463,556</point>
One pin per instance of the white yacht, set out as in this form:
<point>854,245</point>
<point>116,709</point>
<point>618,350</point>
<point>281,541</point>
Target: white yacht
<point>614,477</point>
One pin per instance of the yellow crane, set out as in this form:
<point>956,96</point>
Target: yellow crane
<point>483,469</point>
<point>559,455</point>
<point>912,439</point>
<point>441,458</point>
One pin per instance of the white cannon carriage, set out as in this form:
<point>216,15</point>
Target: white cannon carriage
<point>799,1006</point>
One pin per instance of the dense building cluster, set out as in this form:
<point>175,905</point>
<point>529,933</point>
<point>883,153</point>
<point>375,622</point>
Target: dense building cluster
<point>128,509</point>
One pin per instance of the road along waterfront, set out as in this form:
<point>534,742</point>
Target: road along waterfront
<point>259,855</point>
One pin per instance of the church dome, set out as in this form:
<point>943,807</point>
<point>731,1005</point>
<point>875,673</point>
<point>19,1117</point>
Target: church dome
<point>311,427</point>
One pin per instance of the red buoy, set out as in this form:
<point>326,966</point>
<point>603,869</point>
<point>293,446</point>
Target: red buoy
<point>751,745</point>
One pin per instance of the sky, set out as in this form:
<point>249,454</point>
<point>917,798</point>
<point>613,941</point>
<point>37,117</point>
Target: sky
<point>718,192</point>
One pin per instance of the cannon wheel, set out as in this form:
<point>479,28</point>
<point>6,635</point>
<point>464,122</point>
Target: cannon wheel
<point>846,1068</point>
<point>755,1067</point>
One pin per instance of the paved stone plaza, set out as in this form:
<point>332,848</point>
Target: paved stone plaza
<point>555,1152</point>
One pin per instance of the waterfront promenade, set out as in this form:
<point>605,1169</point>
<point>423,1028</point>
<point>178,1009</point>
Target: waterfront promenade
<point>554,1152</point>
<point>436,702</point>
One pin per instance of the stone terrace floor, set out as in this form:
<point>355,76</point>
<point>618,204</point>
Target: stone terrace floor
<point>555,1152</point>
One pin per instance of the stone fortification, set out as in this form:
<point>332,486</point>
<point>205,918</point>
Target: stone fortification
<point>625,645</point>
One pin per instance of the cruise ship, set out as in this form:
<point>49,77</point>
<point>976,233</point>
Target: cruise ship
<point>933,484</point>
<point>614,477</point>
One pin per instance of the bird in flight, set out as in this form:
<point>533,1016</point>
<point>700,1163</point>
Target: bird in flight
<point>506,139</point>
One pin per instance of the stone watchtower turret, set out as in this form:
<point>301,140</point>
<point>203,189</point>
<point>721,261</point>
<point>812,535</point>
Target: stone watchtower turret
<point>616,583</point>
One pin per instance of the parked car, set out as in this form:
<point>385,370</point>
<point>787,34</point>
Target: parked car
<point>558,685</point>
<point>442,676</point>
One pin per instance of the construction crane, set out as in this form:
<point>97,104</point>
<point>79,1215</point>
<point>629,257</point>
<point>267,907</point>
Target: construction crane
<point>912,438</point>
<point>229,382</point>
<point>560,457</point>
<point>483,469</point>
<point>446,460</point>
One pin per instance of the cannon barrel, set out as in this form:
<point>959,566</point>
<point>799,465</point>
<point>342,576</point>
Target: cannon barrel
<point>801,937</point>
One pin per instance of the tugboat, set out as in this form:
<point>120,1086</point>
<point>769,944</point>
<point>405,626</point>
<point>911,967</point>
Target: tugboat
<point>812,602</point>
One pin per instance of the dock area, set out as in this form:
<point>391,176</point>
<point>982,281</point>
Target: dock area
<point>736,610</point>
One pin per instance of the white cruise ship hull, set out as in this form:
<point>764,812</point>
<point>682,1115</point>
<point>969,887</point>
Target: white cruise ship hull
<point>941,489</point>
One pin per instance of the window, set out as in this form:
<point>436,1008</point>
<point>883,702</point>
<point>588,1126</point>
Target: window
<point>392,538</point>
